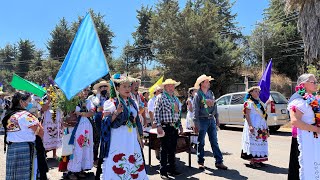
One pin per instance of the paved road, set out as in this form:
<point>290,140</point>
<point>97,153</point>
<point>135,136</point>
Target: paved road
<point>230,144</point>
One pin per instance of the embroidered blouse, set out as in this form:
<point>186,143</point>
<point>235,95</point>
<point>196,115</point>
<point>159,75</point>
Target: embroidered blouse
<point>18,127</point>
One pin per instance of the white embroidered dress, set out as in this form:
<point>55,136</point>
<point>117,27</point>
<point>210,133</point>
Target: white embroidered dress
<point>255,143</point>
<point>309,146</point>
<point>189,120</point>
<point>125,159</point>
<point>82,157</point>
<point>53,130</point>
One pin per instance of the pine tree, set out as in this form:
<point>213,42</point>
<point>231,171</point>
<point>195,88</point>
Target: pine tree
<point>142,44</point>
<point>282,40</point>
<point>61,39</point>
<point>25,56</point>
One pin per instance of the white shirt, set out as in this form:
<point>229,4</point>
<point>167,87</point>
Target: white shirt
<point>151,103</point>
<point>18,127</point>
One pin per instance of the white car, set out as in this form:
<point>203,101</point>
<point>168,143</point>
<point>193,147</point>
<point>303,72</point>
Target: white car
<point>230,109</point>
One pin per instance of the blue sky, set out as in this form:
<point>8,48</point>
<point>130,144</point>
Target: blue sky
<point>35,19</point>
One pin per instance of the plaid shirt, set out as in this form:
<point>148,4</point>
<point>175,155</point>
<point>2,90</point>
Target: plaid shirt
<point>163,110</point>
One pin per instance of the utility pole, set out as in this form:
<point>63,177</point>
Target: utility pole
<point>262,50</point>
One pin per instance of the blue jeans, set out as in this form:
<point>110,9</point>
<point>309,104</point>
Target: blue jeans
<point>208,126</point>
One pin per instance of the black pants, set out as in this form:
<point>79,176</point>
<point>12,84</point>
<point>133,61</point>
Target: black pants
<point>294,161</point>
<point>168,149</point>
<point>97,134</point>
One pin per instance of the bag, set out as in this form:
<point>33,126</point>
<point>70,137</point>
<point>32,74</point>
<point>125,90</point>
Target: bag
<point>67,149</point>
<point>70,120</point>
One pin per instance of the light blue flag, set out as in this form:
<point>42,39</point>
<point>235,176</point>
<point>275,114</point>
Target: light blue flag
<point>85,62</point>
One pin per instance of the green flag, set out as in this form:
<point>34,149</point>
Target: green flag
<point>25,85</point>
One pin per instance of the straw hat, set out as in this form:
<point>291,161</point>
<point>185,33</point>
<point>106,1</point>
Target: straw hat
<point>200,79</point>
<point>157,88</point>
<point>101,83</point>
<point>191,89</point>
<point>121,78</point>
<point>253,88</point>
<point>132,79</point>
<point>170,81</point>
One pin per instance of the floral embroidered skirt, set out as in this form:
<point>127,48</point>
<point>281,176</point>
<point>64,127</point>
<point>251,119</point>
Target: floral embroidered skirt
<point>82,157</point>
<point>255,145</point>
<point>53,132</point>
<point>125,160</point>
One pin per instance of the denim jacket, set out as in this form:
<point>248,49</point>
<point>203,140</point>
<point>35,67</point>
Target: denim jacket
<point>200,111</point>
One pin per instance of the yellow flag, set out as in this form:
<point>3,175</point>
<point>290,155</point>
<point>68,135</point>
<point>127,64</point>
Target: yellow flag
<point>151,89</point>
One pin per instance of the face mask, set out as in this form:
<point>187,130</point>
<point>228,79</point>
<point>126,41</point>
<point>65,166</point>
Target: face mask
<point>104,92</point>
<point>29,106</point>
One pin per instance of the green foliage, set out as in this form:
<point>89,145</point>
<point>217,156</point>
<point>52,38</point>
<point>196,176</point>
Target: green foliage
<point>67,106</point>
<point>25,56</point>
<point>282,40</point>
<point>48,68</point>
<point>103,30</point>
<point>141,50</point>
<point>7,55</point>
<point>61,39</point>
<point>188,43</point>
<point>313,70</point>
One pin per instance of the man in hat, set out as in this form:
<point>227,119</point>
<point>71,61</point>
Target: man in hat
<point>167,115</point>
<point>151,103</point>
<point>206,121</point>
<point>101,89</point>
<point>137,98</point>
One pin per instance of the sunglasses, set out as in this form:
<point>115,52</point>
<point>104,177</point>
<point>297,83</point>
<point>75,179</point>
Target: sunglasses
<point>103,86</point>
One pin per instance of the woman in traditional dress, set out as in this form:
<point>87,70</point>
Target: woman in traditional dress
<point>21,128</point>
<point>52,125</point>
<point>121,147</point>
<point>255,131</point>
<point>189,118</point>
<point>82,139</point>
<point>305,115</point>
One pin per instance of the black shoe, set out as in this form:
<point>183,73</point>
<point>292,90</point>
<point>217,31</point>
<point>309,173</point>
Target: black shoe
<point>174,173</point>
<point>201,166</point>
<point>164,176</point>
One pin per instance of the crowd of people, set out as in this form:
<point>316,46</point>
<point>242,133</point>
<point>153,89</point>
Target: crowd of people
<point>113,113</point>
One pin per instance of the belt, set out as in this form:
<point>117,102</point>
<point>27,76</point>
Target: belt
<point>210,116</point>
<point>167,124</point>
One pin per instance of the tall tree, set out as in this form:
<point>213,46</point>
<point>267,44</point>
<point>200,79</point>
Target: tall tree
<point>60,42</point>
<point>309,25</point>
<point>8,55</point>
<point>142,43</point>
<point>25,56</point>
<point>282,41</point>
<point>188,43</point>
<point>103,29</point>
<point>227,19</point>
<point>49,68</point>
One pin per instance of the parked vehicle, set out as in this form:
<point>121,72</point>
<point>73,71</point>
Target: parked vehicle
<point>230,109</point>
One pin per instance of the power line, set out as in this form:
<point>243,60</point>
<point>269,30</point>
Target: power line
<point>282,18</point>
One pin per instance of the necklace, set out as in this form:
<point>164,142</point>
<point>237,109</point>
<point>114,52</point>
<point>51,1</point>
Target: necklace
<point>257,106</point>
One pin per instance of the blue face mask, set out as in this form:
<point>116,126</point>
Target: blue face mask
<point>29,106</point>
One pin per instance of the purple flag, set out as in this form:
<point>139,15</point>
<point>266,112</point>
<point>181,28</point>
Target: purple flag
<point>265,83</point>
